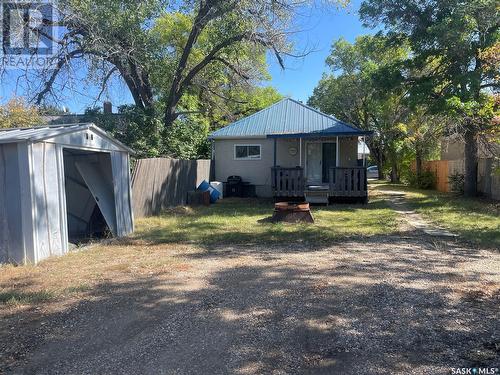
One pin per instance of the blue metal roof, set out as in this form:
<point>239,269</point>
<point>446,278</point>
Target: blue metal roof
<point>285,119</point>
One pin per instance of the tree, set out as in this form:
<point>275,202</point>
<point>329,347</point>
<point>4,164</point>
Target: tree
<point>423,136</point>
<point>169,51</point>
<point>17,114</point>
<point>354,93</point>
<point>458,39</point>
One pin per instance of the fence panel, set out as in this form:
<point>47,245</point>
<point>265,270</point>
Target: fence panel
<point>488,183</point>
<point>161,183</point>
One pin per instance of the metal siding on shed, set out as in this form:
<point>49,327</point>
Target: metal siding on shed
<point>33,222</point>
<point>101,187</point>
<point>47,201</point>
<point>11,226</point>
<point>121,179</point>
<point>87,139</point>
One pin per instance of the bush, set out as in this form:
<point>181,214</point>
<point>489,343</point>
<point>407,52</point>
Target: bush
<point>457,182</point>
<point>427,180</point>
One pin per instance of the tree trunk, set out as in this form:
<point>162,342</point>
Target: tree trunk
<point>470,180</point>
<point>418,163</point>
<point>380,166</point>
<point>394,171</point>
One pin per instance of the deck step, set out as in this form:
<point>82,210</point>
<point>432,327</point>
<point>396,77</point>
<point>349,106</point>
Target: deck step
<point>317,197</point>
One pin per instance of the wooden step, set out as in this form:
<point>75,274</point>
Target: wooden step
<point>316,197</point>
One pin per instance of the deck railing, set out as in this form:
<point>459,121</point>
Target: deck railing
<point>288,182</point>
<point>343,182</point>
<point>348,182</point>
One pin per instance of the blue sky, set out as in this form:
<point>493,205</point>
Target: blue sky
<point>319,27</point>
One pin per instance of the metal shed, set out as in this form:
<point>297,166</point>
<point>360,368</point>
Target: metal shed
<point>61,184</point>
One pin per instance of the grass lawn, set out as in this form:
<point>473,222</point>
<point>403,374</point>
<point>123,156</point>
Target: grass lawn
<point>475,219</point>
<point>161,244</point>
<point>237,222</point>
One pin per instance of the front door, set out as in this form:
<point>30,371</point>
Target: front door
<point>329,160</point>
<point>313,163</point>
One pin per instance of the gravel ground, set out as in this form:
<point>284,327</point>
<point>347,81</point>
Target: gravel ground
<point>398,305</point>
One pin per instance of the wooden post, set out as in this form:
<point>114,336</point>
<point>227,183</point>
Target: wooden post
<point>338,153</point>
<point>300,152</point>
<point>364,151</point>
<point>275,152</point>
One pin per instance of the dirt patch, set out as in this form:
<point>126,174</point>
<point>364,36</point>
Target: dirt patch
<point>386,304</point>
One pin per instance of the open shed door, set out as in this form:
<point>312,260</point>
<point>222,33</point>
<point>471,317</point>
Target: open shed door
<point>102,190</point>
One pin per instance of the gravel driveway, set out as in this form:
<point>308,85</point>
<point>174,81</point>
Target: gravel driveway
<point>372,306</point>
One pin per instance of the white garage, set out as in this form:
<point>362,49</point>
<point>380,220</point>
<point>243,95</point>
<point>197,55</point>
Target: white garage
<point>59,185</point>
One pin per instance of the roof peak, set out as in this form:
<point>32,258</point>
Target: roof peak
<point>286,116</point>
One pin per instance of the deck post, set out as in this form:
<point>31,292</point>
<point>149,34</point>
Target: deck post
<point>275,152</point>
<point>338,153</point>
<point>364,151</point>
<point>300,152</point>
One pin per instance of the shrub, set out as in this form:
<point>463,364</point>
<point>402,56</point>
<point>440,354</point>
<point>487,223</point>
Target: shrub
<point>426,181</point>
<point>457,181</point>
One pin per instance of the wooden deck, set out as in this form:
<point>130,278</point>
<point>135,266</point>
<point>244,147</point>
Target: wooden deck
<point>343,182</point>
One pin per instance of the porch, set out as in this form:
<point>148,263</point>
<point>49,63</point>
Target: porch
<point>325,167</point>
<point>343,182</point>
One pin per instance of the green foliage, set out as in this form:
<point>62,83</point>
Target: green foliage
<point>456,181</point>
<point>144,130</point>
<point>453,67</point>
<point>16,113</point>
<point>187,139</point>
<point>426,181</point>
<point>353,92</point>
<point>137,128</point>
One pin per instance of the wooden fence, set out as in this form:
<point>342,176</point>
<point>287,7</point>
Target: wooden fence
<point>158,184</point>
<point>488,183</point>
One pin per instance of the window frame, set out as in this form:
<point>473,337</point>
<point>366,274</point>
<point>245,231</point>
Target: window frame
<point>248,145</point>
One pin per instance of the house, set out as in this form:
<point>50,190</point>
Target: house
<point>60,184</point>
<point>292,151</point>
<point>453,148</point>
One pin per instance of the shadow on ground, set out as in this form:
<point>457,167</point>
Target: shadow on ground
<point>394,306</point>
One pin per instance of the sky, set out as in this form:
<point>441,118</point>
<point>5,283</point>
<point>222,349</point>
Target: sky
<point>317,28</point>
<point>320,28</point>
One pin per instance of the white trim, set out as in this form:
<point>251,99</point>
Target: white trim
<point>247,145</point>
<point>234,137</point>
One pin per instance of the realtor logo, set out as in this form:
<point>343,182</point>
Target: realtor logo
<point>28,36</point>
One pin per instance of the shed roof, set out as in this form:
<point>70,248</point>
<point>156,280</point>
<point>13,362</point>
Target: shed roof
<point>286,119</point>
<point>41,133</point>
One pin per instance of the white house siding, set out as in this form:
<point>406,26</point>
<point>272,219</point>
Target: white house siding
<point>258,172</point>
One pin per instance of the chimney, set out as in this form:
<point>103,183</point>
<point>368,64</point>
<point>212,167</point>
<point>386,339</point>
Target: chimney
<point>108,108</point>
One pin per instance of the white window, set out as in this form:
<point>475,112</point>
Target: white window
<point>247,152</point>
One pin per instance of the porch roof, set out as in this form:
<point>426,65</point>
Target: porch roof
<point>288,118</point>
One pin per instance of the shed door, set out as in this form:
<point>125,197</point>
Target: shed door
<point>102,191</point>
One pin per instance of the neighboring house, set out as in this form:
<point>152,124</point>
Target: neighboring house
<point>452,163</point>
<point>290,150</point>
<point>453,148</point>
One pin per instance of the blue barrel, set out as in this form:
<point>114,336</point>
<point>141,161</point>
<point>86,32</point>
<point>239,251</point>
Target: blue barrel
<point>204,186</point>
<point>214,195</point>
